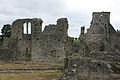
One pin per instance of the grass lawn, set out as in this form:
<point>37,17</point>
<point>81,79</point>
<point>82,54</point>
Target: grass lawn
<point>18,66</point>
<point>30,76</point>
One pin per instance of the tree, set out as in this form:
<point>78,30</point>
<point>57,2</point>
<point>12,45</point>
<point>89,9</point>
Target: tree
<point>70,39</point>
<point>6,30</point>
<point>76,38</point>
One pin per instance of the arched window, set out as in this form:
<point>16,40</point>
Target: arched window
<point>25,28</point>
<point>29,28</point>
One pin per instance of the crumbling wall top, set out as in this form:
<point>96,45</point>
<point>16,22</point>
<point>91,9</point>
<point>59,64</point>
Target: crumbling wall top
<point>62,20</point>
<point>101,12</point>
<point>27,20</point>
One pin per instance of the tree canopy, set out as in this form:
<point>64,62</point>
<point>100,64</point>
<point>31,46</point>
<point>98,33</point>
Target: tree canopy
<point>6,30</point>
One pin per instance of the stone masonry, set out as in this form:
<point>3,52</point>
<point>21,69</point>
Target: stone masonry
<point>30,43</point>
<point>97,55</point>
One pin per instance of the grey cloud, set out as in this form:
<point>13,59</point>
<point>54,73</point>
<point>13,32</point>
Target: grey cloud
<point>28,7</point>
<point>48,10</point>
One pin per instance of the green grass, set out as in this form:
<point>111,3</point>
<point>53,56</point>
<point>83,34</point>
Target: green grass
<point>76,41</point>
<point>30,76</point>
<point>18,66</point>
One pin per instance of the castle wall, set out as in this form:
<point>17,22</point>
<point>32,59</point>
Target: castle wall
<point>29,42</point>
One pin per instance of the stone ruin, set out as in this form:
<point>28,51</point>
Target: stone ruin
<point>95,57</point>
<point>101,36</point>
<point>29,43</point>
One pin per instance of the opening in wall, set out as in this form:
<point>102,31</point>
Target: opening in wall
<point>29,28</point>
<point>25,28</point>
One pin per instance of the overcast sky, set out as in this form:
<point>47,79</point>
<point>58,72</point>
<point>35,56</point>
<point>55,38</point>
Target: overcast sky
<point>78,12</point>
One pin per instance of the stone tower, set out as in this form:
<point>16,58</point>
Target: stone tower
<point>101,33</point>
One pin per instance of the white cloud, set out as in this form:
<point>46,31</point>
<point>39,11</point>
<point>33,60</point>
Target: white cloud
<point>78,12</point>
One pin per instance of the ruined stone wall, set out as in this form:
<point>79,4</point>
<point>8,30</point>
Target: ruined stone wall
<point>20,40</point>
<point>89,69</point>
<point>29,42</point>
<point>6,55</point>
<point>118,45</point>
<point>50,45</point>
<point>103,42</point>
<point>101,35</point>
<point>96,56</point>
